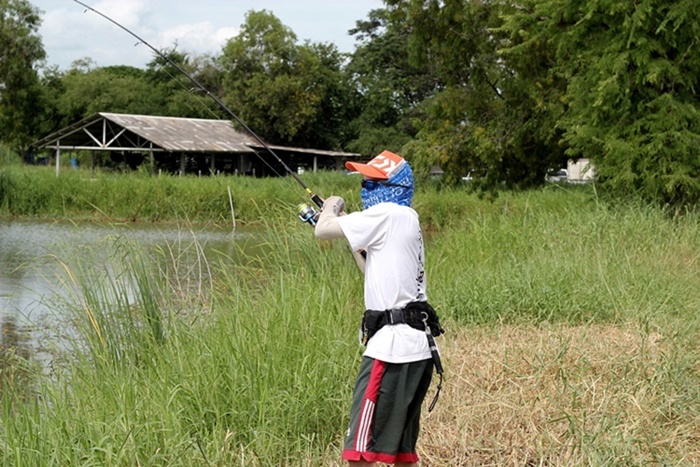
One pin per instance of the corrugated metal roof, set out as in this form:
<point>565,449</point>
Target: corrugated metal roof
<point>113,131</point>
<point>185,134</point>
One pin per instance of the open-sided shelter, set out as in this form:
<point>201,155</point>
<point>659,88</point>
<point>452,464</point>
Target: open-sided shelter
<point>182,145</point>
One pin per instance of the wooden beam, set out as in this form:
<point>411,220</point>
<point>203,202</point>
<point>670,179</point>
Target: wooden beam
<point>58,161</point>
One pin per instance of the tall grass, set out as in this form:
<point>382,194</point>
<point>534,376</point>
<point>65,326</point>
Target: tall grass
<point>81,194</point>
<point>259,376</point>
<point>8,156</point>
<point>572,340</point>
<point>582,262</point>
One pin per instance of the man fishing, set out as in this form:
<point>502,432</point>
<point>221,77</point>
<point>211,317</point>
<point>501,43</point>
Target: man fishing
<point>398,324</point>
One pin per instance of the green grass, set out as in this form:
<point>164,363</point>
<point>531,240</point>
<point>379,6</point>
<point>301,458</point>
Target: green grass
<point>583,263</point>
<point>257,368</point>
<point>252,360</point>
<point>80,194</point>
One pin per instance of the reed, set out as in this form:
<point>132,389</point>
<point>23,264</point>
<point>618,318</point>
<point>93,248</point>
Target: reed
<point>260,372</point>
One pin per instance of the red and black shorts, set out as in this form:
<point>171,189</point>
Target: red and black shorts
<point>385,413</point>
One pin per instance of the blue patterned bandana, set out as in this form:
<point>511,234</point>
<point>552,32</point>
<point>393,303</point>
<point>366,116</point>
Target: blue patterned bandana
<point>398,189</point>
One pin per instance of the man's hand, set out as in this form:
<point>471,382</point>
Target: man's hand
<point>335,203</point>
<point>327,227</point>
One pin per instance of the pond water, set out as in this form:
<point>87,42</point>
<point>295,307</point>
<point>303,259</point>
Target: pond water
<point>29,250</point>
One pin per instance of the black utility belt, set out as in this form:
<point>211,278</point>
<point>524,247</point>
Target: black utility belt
<point>418,315</point>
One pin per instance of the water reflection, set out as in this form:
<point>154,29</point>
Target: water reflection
<point>29,269</point>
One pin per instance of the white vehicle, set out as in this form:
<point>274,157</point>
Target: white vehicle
<point>557,176</point>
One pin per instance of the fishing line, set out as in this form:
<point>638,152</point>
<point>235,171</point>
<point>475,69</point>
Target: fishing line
<point>314,197</point>
<point>190,90</point>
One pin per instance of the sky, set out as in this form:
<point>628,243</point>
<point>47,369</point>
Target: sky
<point>69,32</point>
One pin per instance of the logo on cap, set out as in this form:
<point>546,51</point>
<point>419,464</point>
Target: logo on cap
<point>382,166</point>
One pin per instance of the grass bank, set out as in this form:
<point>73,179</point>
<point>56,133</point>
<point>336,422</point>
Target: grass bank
<point>31,191</point>
<point>572,340</point>
<point>35,191</point>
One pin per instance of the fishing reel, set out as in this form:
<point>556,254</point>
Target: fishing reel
<point>307,213</point>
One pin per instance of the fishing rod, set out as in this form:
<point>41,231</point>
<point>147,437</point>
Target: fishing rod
<point>306,212</point>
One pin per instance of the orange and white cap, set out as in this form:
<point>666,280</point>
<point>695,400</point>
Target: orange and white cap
<point>382,167</point>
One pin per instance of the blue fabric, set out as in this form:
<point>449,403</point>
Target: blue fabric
<point>382,193</point>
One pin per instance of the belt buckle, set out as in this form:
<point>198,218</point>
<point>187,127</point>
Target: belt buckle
<point>395,316</point>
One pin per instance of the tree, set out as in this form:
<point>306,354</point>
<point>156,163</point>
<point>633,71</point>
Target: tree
<point>495,116</point>
<point>160,89</point>
<point>633,70</point>
<point>532,84</point>
<point>52,87</point>
<point>21,51</point>
<point>389,86</point>
<point>109,89</point>
<point>288,93</point>
<point>176,94</point>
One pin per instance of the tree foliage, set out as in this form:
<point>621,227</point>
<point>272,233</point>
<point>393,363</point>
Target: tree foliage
<point>500,90</point>
<point>21,50</point>
<point>160,89</point>
<point>495,117</point>
<point>288,93</point>
<point>532,84</point>
<point>633,106</point>
<point>390,88</point>
<point>174,94</point>
<point>108,89</point>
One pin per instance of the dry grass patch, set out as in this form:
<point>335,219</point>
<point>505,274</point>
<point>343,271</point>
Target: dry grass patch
<point>585,395</point>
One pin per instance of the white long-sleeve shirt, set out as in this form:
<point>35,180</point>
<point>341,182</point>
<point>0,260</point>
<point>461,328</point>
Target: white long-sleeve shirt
<point>390,235</point>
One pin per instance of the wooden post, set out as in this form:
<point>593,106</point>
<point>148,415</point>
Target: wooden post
<point>152,159</point>
<point>58,160</point>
